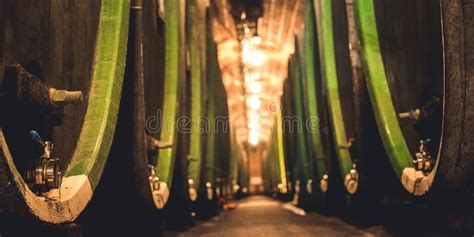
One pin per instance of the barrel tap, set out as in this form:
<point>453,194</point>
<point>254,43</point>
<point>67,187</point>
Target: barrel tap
<point>423,161</point>
<point>46,173</point>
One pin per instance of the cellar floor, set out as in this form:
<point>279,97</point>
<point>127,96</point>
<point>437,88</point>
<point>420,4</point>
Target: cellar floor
<point>261,216</point>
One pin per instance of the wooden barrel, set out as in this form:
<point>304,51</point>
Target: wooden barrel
<point>156,107</point>
<point>137,142</point>
<point>128,164</point>
<point>170,100</point>
<point>222,154</point>
<point>196,23</point>
<point>275,175</point>
<point>215,111</point>
<point>66,45</point>
<point>294,126</point>
<point>174,79</point>
<point>417,65</point>
<point>354,143</point>
<point>315,106</point>
<point>244,177</point>
<point>338,86</point>
<point>213,76</point>
<point>288,137</point>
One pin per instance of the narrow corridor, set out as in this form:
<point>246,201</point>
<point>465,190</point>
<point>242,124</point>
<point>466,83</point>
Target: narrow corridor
<point>261,216</point>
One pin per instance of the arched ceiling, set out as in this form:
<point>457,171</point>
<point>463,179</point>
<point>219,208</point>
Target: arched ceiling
<point>251,85</point>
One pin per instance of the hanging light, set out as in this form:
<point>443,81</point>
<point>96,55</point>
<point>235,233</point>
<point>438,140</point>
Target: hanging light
<point>237,83</point>
<point>251,54</point>
<point>254,137</point>
<point>254,125</point>
<point>252,76</point>
<point>255,87</point>
<point>253,117</point>
<point>254,58</point>
<point>256,40</point>
<point>254,102</point>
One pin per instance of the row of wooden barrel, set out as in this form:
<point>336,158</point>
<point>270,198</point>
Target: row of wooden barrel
<point>100,101</point>
<point>377,104</point>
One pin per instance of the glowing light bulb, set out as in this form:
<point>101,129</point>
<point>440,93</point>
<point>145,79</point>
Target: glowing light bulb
<point>252,56</point>
<point>237,83</point>
<point>253,117</point>
<point>254,133</point>
<point>255,87</point>
<point>245,46</point>
<point>251,77</point>
<point>247,31</point>
<point>253,121</point>
<point>254,125</point>
<point>254,102</point>
<point>254,137</point>
<point>253,141</point>
<point>255,58</point>
<point>256,40</point>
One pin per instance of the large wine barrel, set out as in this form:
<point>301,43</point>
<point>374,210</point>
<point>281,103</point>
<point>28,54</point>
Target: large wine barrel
<point>287,110</point>
<point>303,169</point>
<point>174,78</point>
<point>316,120</point>
<point>274,162</point>
<point>222,154</point>
<point>136,142</point>
<point>357,148</point>
<point>170,97</point>
<point>210,166</point>
<point>416,57</point>
<point>196,23</point>
<point>335,67</point>
<point>235,157</point>
<point>213,77</point>
<point>148,150</point>
<point>153,143</point>
<point>243,174</point>
<point>67,45</point>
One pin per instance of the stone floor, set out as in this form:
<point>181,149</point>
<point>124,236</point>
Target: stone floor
<point>261,216</point>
